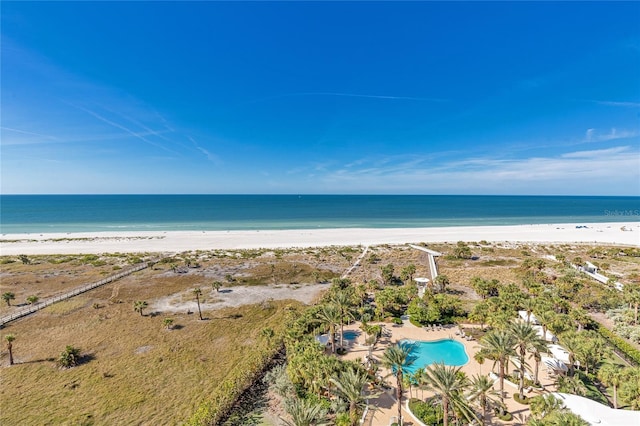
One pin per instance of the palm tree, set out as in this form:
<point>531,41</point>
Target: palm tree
<point>8,297</point>
<point>329,315</point>
<point>10,338</point>
<point>498,344</point>
<point>572,343</point>
<point>525,339</point>
<point>543,405</point>
<point>139,306</point>
<point>216,285</point>
<point>528,305</point>
<point>480,358</point>
<point>350,386</point>
<point>482,392</point>
<point>197,292</point>
<point>580,317</point>
<point>398,358</point>
<point>70,357</point>
<point>545,317</point>
<point>565,418</point>
<point>306,413</point>
<point>449,384</point>
<point>537,357</point>
<point>418,377</point>
<point>442,281</point>
<point>342,302</point>
<point>571,384</point>
<point>610,375</point>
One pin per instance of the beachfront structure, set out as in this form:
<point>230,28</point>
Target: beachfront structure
<point>431,255</point>
<point>591,270</point>
<point>598,414</point>
<point>422,285</point>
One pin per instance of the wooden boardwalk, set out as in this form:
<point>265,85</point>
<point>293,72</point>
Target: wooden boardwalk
<point>28,310</point>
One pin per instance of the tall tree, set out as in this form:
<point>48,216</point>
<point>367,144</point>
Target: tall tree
<point>342,302</point>
<point>611,375</point>
<point>387,273</point>
<point>8,297</point>
<point>197,292</point>
<point>525,339</point>
<point>631,294</point>
<point>448,383</point>
<point>10,338</point>
<point>350,387</point>
<point>498,344</point>
<point>483,394</point>
<point>329,316</point>
<point>398,358</point>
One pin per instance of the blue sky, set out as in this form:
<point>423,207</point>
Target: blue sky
<point>331,97</point>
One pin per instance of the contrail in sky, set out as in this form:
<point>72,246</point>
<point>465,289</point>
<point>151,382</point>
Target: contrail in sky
<point>121,127</point>
<point>350,95</point>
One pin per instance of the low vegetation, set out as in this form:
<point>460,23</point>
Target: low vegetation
<point>211,357</point>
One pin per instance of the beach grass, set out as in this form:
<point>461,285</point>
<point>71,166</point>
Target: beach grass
<point>135,371</point>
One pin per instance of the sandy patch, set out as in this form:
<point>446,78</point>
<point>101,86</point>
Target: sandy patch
<point>237,296</point>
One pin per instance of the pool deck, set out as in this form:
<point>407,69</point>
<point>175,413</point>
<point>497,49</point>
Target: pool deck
<point>386,403</point>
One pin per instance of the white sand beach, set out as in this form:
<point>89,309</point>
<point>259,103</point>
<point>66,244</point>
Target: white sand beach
<point>618,233</point>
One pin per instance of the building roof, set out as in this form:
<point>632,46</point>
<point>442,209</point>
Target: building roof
<point>597,414</point>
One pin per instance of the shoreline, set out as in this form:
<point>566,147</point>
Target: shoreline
<point>180,241</point>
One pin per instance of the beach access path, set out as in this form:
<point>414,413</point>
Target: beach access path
<point>28,310</point>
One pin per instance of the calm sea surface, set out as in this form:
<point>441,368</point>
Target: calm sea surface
<point>89,213</point>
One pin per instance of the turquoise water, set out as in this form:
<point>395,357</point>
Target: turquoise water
<point>448,351</point>
<point>351,335</point>
<point>91,213</point>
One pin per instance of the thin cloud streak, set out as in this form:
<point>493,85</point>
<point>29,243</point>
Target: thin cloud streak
<point>591,135</point>
<point>348,95</point>
<point>619,103</point>
<point>29,133</point>
<point>121,127</point>
<point>579,172</point>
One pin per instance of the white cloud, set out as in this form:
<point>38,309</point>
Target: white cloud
<point>608,171</point>
<point>592,135</point>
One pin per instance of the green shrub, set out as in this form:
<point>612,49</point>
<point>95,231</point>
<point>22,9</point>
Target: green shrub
<point>629,352</point>
<point>397,321</point>
<point>507,417</point>
<point>426,412</point>
<point>524,400</point>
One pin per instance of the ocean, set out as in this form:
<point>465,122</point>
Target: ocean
<point>92,213</point>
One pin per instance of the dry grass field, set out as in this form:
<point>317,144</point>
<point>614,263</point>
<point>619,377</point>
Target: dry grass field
<point>135,371</point>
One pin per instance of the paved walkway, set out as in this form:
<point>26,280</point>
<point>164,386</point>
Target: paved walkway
<point>386,406</point>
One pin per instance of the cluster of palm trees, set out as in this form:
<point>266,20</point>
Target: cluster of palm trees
<point>518,339</point>
<point>454,391</point>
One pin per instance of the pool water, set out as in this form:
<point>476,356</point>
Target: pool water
<point>448,351</point>
<point>351,335</point>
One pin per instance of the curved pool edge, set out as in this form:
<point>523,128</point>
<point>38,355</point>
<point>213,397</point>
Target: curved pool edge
<point>464,348</point>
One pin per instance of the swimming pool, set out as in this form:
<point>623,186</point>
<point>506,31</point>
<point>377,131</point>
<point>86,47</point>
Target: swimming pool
<point>447,350</point>
<point>351,334</point>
